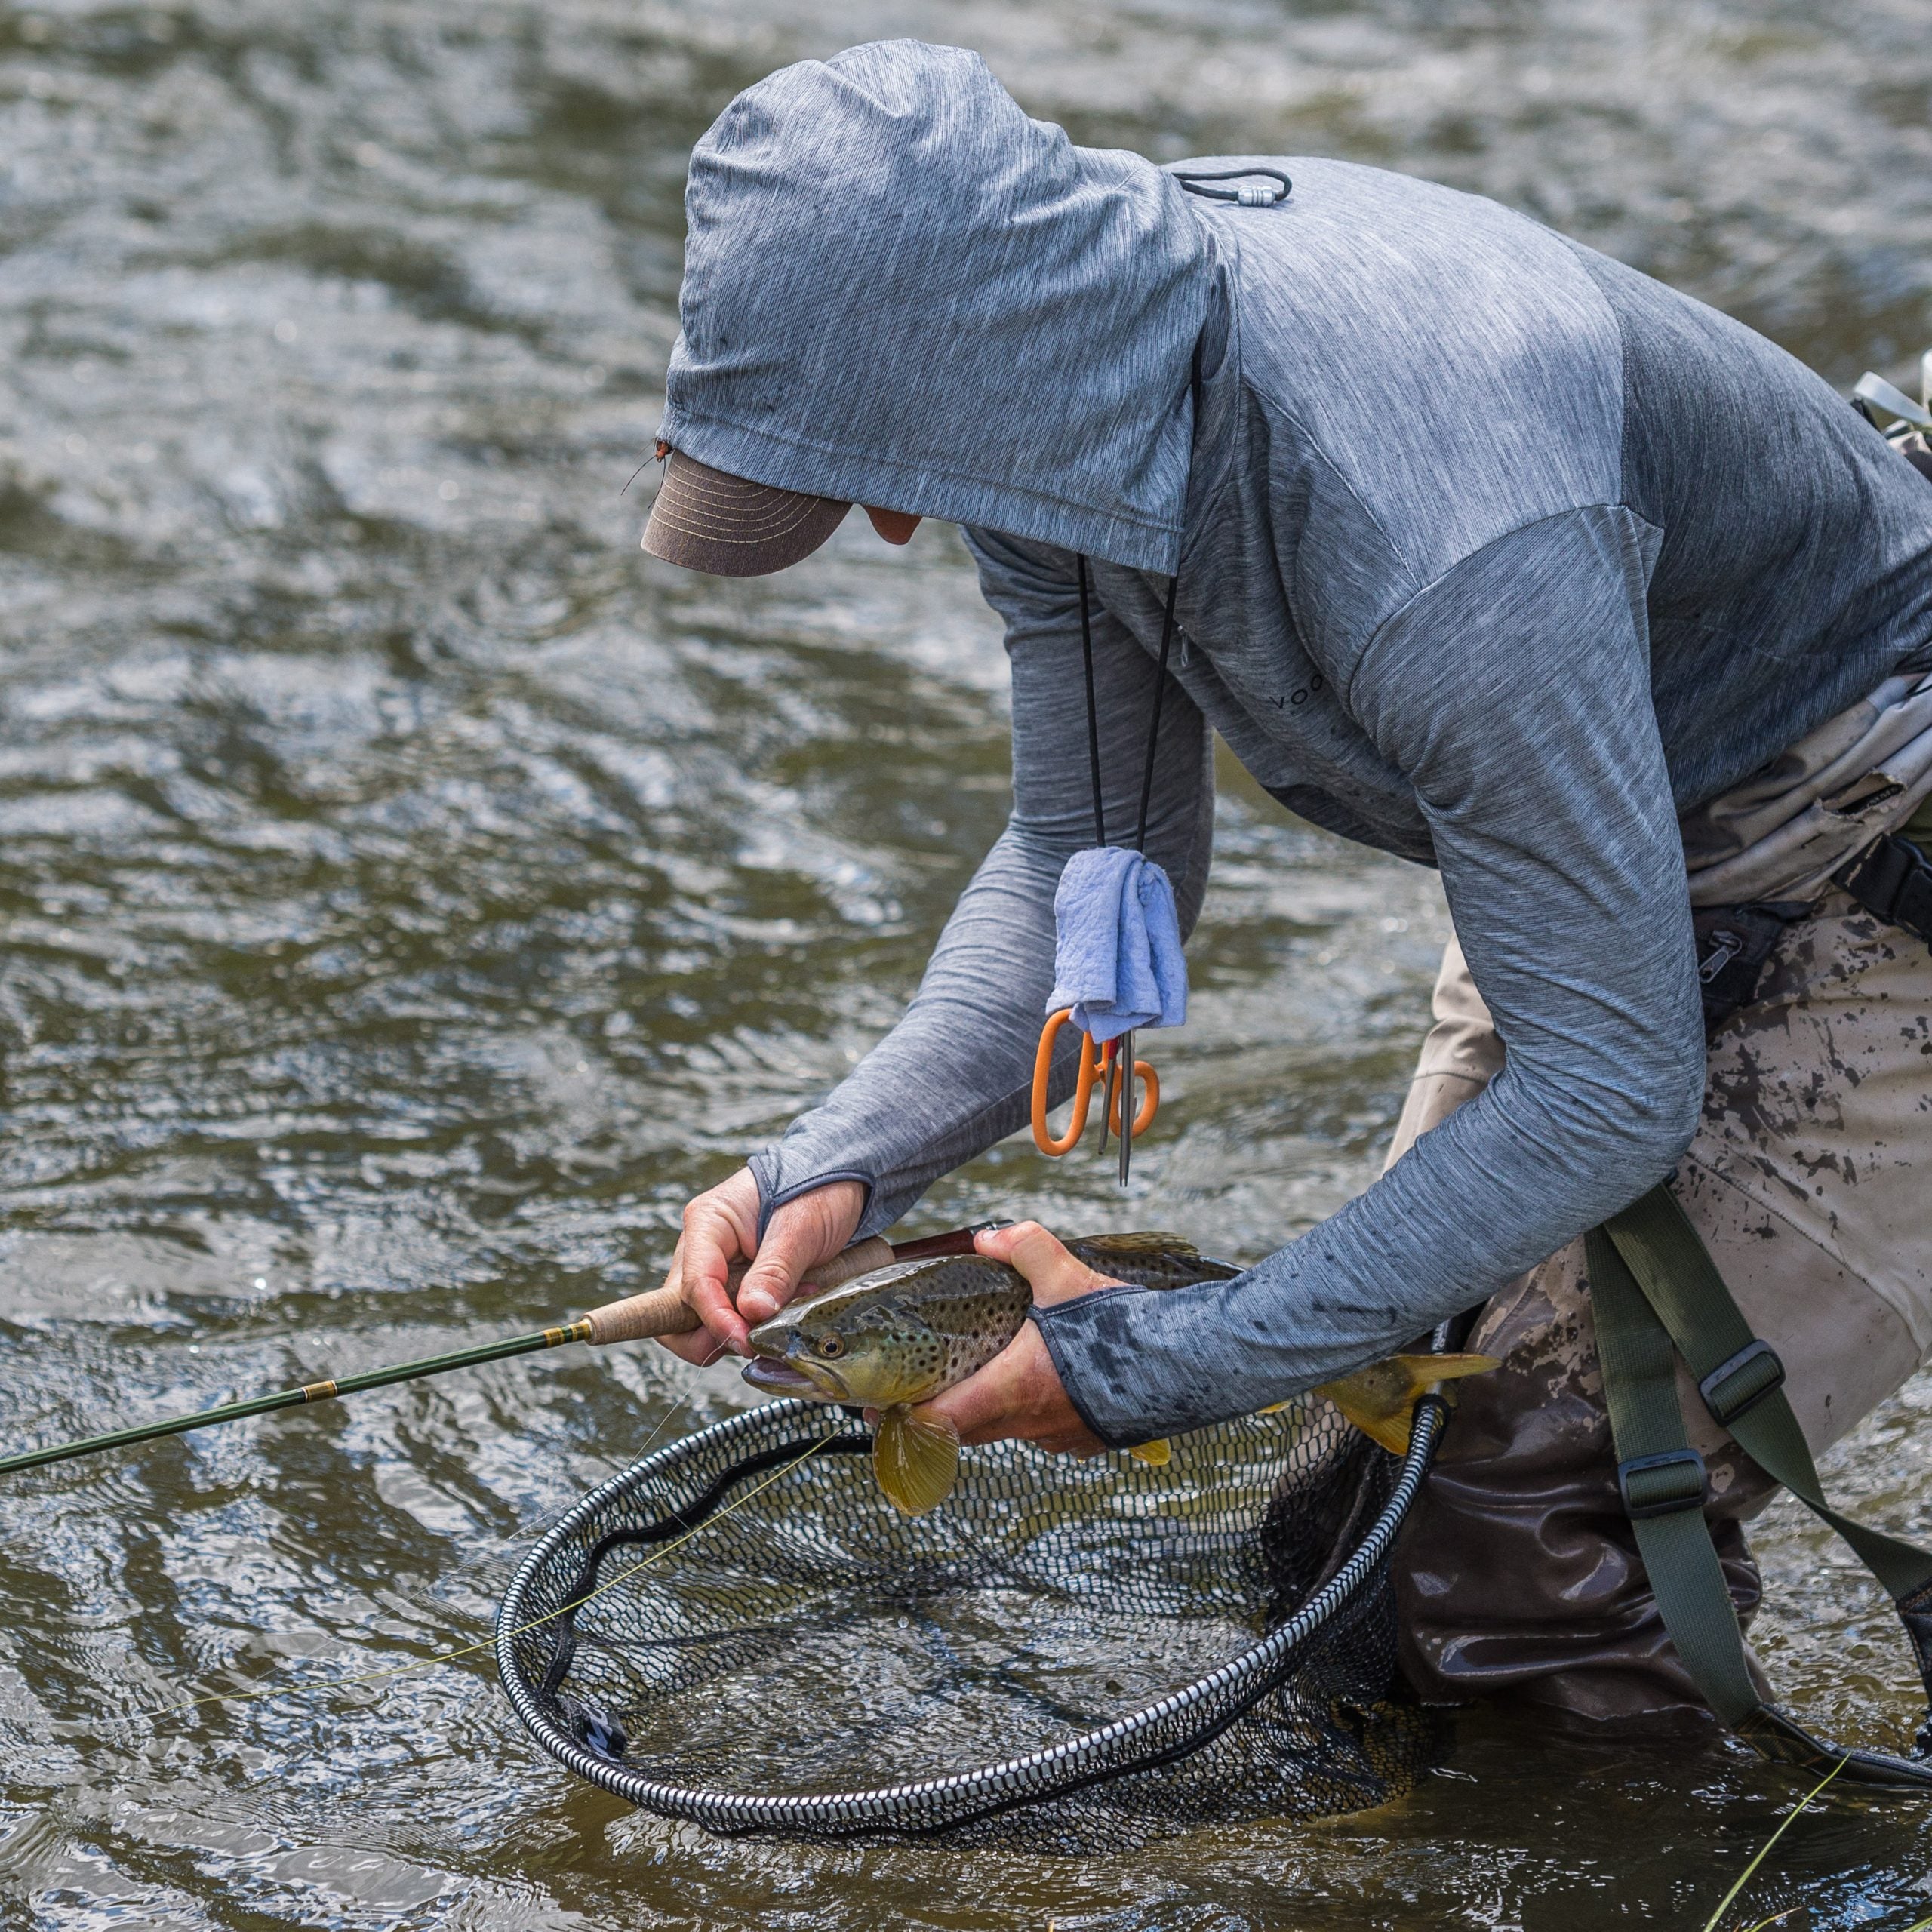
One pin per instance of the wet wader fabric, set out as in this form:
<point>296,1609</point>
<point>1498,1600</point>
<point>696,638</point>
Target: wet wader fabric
<point>1654,1288</point>
<point>1658,1298</point>
<point>1522,1574</point>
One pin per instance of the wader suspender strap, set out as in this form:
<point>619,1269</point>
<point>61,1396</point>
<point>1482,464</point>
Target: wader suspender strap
<point>1652,1285</point>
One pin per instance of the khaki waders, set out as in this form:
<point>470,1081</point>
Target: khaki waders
<point>1520,1572</point>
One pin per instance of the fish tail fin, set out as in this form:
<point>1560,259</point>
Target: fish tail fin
<point>1156,1453</point>
<point>915,1456</point>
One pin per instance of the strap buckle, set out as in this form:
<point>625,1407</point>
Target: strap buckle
<point>1662,1484</point>
<point>1741,1383</point>
<point>1893,880</point>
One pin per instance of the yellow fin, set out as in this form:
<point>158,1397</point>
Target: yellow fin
<point>915,1456</point>
<point>1145,1243</point>
<point>1427,1371</point>
<point>1156,1453</point>
<point>1379,1398</point>
<point>1275,1408</point>
<point>1390,1428</point>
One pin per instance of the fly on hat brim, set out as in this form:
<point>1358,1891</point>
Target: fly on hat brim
<point>708,521</point>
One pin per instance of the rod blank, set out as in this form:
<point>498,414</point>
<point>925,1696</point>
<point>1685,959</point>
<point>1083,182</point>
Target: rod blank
<point>637,1318</point>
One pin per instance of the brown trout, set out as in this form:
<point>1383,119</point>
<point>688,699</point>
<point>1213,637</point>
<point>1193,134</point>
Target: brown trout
<point>894,1339</point>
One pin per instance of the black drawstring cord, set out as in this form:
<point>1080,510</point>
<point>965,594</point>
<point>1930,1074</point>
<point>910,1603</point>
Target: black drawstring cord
<point>1094,711</point>
<point>1255,197</point>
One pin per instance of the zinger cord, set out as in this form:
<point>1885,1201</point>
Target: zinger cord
<point>1154,730</point>
<point>1093,709</point>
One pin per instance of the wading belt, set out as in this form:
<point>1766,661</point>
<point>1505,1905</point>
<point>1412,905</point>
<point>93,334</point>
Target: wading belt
<point>1653,1285</point>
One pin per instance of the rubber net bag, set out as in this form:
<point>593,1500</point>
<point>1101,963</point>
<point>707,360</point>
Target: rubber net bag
<point>740,1631</point>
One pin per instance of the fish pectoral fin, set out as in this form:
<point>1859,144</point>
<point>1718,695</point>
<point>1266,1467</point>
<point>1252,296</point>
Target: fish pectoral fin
<point>1370,1413</point>
<point>1275,1408</point>
<point>915,1456</point>
<point>1156,1453</point>
<point>1380,1399</point>
<point>1425,1371</point>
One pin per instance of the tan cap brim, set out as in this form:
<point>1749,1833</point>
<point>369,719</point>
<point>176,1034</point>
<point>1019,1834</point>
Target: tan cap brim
<point>708,521</point>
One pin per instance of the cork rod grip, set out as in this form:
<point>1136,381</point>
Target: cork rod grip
<point>665,1311</point>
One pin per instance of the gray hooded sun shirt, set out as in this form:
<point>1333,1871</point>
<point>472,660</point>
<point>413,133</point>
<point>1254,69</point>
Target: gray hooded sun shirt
<point>1492,553</point>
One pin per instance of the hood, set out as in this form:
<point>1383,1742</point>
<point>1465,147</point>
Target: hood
<point>900,289</point>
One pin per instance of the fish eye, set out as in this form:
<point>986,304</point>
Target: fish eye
<point>831,1345</point>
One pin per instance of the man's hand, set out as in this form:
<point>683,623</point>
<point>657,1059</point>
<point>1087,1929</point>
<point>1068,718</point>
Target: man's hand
<point>721,1227</point>
<point>1018,1392</point>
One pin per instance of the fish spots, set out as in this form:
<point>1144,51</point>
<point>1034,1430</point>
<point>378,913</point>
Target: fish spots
<point>915,1329</point>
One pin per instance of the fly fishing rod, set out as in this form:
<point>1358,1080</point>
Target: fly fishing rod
<point>636,1318</point>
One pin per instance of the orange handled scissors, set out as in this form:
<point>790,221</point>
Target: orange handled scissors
<point>1106,1065</point>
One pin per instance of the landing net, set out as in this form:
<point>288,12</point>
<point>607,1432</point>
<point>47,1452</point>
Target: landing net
<point>740,1631</point>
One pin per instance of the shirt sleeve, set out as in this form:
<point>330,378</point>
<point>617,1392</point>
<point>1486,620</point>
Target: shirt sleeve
<point>956,1074</point>
<point>1514,692</point>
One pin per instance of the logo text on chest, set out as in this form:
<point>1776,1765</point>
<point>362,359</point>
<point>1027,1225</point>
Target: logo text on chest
<point>1294,700</point>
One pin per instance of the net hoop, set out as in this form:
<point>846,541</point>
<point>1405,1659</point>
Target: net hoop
<point>932,1805</point>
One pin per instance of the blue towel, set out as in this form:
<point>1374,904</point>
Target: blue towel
<point>1117,956</point>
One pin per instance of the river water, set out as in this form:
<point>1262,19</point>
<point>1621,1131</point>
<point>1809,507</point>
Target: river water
<point>412,893</point>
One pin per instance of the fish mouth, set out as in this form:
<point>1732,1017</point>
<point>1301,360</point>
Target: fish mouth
<point>763,1372</point>
<point>781,1376</point>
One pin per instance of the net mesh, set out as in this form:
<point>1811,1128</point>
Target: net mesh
<point>740,1631</point>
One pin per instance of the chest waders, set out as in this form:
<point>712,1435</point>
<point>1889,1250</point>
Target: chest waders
<point>1657,1294</point>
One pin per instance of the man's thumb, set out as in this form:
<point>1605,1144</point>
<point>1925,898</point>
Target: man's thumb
<point>1054,1274</point>
<point>772,1279</point>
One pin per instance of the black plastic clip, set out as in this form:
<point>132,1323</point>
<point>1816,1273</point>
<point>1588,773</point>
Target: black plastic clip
<point>1661,1485</point>
<point>1740,1383</point>
<point>1893,880</point>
